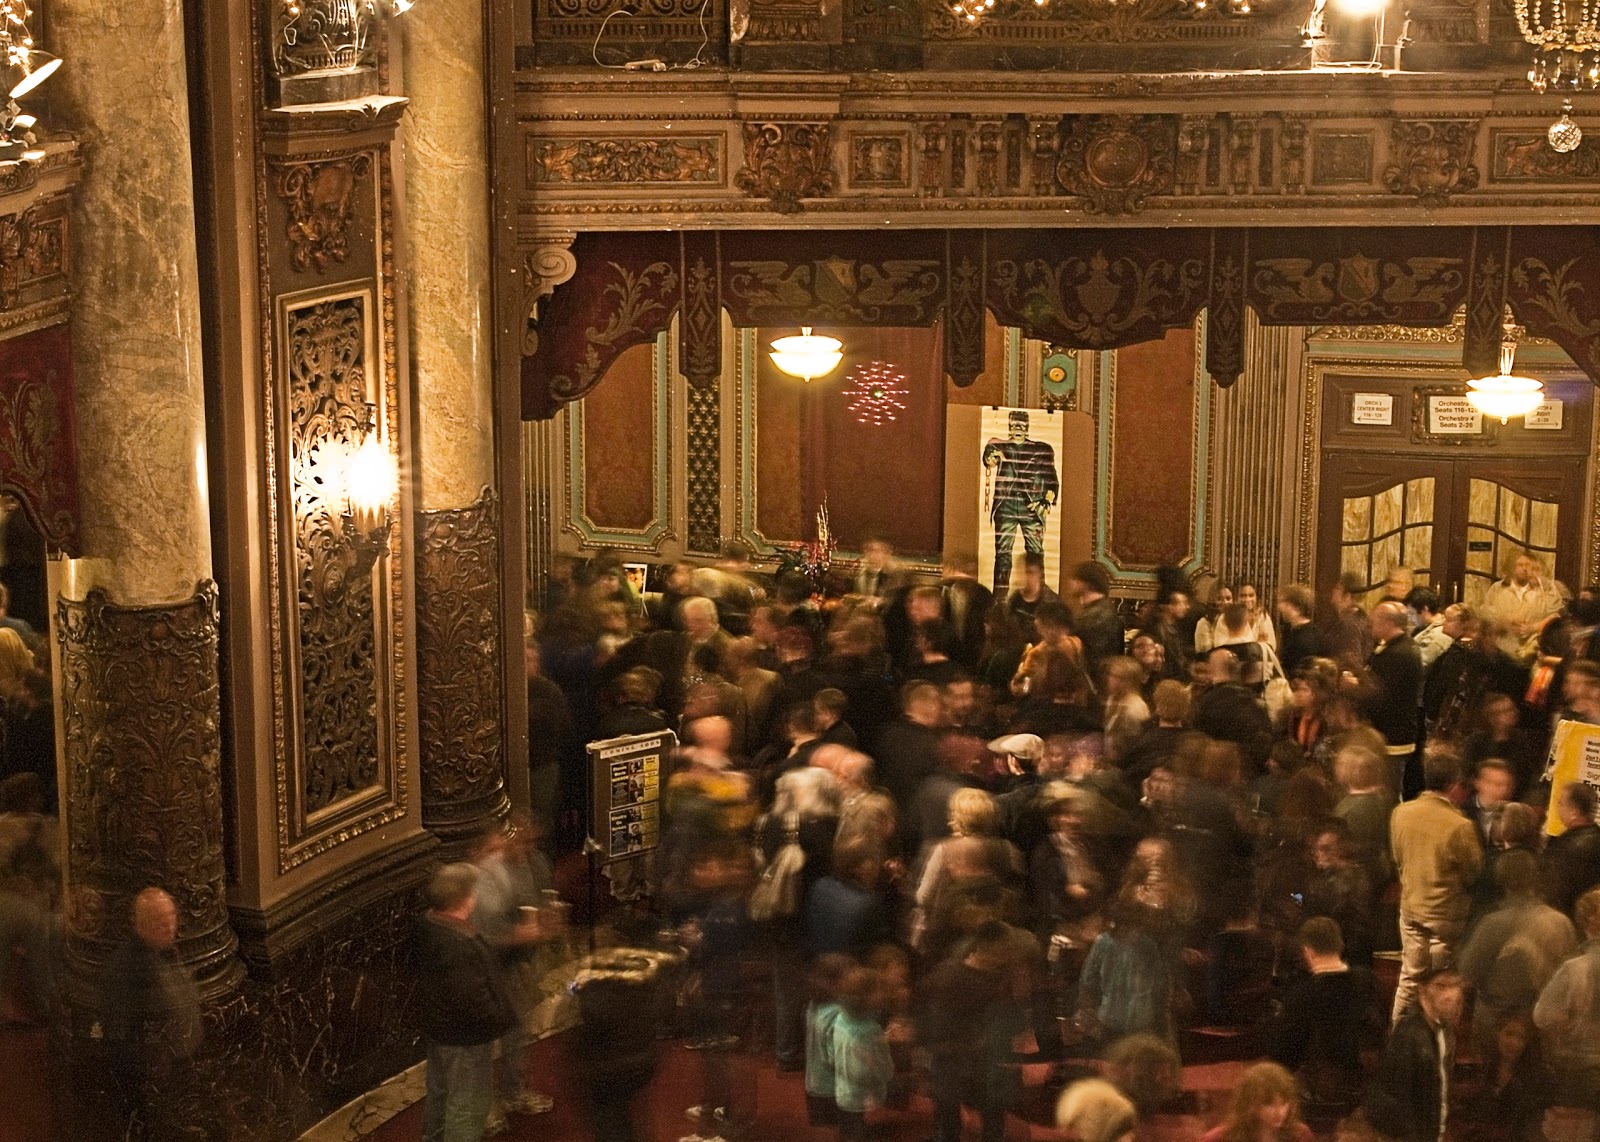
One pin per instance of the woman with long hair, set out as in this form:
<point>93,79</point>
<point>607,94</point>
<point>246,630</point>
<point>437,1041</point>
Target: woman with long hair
<point>1313,686</point>
<point>1265,1108</point>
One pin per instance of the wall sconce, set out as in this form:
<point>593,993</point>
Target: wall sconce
<point>23,68</point>
<point>370,482</point>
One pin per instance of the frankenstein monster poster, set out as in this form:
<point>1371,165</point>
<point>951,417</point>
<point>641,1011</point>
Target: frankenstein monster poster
<point>1019,476</point>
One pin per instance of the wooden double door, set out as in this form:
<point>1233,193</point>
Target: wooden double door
<point>1456,523</point>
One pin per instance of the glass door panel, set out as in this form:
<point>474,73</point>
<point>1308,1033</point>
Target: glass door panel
<point>1388,529</point>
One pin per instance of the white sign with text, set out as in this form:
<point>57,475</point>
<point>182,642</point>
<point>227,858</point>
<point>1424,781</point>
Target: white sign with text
<point>1453,416</point>
<point>1371,408</point>
<point>1547,415</point>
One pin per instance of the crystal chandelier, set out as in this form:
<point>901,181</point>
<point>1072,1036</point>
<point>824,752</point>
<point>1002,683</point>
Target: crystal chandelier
<point>1504,394</point>
<point>1567,34</point>
<point>807,356</point>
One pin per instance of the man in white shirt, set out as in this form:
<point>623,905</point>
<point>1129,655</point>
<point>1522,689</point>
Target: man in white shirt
<point>1520,604</point>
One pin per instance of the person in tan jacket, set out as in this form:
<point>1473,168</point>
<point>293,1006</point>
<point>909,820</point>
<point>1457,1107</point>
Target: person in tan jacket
<point>1437,855</point>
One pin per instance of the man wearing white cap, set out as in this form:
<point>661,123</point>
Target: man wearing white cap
<point>1021,820</point>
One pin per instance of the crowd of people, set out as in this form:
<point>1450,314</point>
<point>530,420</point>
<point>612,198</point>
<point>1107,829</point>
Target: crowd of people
<point>957,833</point>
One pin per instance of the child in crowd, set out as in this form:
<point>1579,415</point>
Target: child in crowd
<point>861,1061</point>
<point>821,1014</point>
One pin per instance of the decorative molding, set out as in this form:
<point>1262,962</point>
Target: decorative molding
<point>1451,334</point>
<point>550,263</point>
<point>141,744</point>
<point>703,467</point>
<point>1525,156</point>
<point>1115,162</point>
<point>341,766</point>
<point>610,161</point>
<point>1196,558</point>
<point>16,236</point>
<point>328,359</point>
<point>459,667</point>
<point>880,161</point>
<point>787,162</point>
<point>321,200</point>
<point>1431,159</point>
<point>647,540</point>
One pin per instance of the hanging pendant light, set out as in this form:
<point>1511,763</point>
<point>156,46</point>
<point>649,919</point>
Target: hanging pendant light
<point>1505,394</point>
<point>807,356</point>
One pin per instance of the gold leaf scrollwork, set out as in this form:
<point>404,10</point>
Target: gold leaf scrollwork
<point>642,302</point>
<point>329,416</point>
<point>786,162</point>
<point>140,708</point>
<point>459,664</point>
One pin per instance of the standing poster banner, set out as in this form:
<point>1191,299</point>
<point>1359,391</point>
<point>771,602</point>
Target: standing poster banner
<point>625,774</point>
<point>1020,473</point>
<point>1575,753</point>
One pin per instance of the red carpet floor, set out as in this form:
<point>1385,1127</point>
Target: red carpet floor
<point>24,1086</point>
<point>774,1102</point>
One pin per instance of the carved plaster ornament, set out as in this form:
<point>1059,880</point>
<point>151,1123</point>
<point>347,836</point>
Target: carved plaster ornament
<point>14,239</point>
<point>547,265</point>
<point>321,201</point>
<point>786,162</point>
<point>1115,161</point>
<point>459,663</point>
<point>1431,158</point>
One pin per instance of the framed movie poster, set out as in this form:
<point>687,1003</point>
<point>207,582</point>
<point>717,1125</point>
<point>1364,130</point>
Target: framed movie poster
<point>1019,474</point>
<point>626,777</point>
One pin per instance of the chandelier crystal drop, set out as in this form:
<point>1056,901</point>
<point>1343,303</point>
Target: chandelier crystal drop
<point>877,393</point>
<point>807,356</point>
<point>1564,136</point>
<point>1504,394</point>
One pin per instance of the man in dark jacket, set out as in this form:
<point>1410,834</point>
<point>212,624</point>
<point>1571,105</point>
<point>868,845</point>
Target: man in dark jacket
<point>153,1029</point>
<point>1229,711</point>
<point>1095,618</point>
<point>1410,1098</point>
<point>462,1008</point>
<point>1572,860</point>
<point>1395,688</point>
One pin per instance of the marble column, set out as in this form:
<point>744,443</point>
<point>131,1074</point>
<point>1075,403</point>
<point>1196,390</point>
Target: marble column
<point>461,664</point>
<point>136,617</point>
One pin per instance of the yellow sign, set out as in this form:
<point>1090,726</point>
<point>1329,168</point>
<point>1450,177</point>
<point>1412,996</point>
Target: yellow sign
<point>1576,750</point>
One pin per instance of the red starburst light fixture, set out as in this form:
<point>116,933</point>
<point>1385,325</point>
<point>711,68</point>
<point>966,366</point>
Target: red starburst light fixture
<point>876,392</point>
